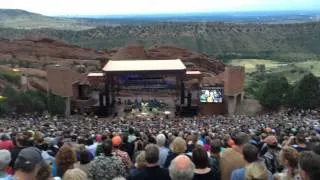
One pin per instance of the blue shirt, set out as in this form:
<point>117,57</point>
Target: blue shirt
<point>163,153</point>
<point>239,174</point>
<point>7,177</point>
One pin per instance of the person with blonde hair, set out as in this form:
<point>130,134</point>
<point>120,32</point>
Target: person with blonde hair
<point>255,169</point>
<point>289,158</point>
<point>140,164</point>
<point>75,174</point>
<point>177,147</point>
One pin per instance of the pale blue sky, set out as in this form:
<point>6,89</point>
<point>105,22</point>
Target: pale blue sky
<point>115,7</point>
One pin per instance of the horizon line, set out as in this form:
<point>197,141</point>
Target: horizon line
<point>183,13</point>
<point>173,13</point>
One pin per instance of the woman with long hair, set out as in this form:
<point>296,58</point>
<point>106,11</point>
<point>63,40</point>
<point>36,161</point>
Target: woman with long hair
<point>289,158</point>
<point>65,159</point>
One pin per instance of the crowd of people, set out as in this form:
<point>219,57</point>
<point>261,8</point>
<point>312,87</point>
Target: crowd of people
<point>283,146</point>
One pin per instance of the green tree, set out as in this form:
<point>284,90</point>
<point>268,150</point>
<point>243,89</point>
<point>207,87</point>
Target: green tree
<point>56,104</point>
<point>273,92</point>
<point>306,93</point>
<point>261,68</point>
<point>30,101</point>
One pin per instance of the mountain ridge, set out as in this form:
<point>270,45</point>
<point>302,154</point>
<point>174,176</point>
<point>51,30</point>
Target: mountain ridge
<point>21,19</point>
<point>288,42</point>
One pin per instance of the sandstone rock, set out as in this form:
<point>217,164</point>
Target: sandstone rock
<point>46,47</point>
<point>132,52</point>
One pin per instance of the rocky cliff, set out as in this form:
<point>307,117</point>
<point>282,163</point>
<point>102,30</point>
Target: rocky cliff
<point>39,52</point>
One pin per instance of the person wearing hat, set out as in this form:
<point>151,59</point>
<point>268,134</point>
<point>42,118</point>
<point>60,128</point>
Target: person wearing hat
<point>116,143</point>
<point>28,163</point>
<point>272,154</point>
<point>5,158</point>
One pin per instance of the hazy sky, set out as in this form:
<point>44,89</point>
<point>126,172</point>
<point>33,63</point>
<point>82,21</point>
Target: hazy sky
<point>108,7</point>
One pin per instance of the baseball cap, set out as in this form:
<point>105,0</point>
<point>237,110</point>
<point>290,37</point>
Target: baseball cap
<point>116,141</point>
<point>5,158</point>
<point>271,140</point>
<point>30,155</point>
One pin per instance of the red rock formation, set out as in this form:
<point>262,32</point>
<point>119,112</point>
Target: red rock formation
<point>41,51</point>
<point>199,61</point>
<point>45,47</point>
<point>132,52</point>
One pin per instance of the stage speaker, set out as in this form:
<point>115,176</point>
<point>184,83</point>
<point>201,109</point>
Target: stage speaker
<point>189,99</point>
<point>182,95</point>
<point>107,95</point>
<point>101,100</point>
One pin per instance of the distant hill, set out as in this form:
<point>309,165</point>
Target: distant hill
<point>20,19</point>
<point>286,42</point>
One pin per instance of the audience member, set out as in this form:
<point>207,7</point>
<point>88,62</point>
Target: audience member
<point>255,169</point>
<point>289,158</point>
<point>65,159</point>
<point>5,158</point>
<point>28,163</point>
<point>161,142</point>
<point>5,142</point>
<point>140,164</point>
<point>232,158</point>
<point>271,156</point>
<point>84,163</point>
<point>116,142</point>
<point>177,147</point>
<point>215,150</point>
<point>153,171</point>
<point>201,161</point>
<point>107,166</point>
<point>309,166</point>
<point>75,174</point>
<point>181,168</point>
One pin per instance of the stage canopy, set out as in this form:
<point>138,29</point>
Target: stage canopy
<point>144,66</point>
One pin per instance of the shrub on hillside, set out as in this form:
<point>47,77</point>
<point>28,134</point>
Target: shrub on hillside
<point>11,77</point>
<point>30,101</point>
<point>306,93</point>
<point>273,92</point>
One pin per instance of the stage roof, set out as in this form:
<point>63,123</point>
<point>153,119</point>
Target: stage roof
<point>144,66</point>
<point>95,74</point>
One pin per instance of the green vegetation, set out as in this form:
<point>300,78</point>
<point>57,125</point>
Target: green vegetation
<point>273,92</point>
<point>30,101</point>
<point>306,93</point>
<point>281,42</point>
<point>267,81</point>
<point>11,77</point>
<point>21,19</point>
<point>292,71</point>
<point>252,64</point>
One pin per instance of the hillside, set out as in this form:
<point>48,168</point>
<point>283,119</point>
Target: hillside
<point>286,42</point>
<point>20,19</point>
<point>33,55</point>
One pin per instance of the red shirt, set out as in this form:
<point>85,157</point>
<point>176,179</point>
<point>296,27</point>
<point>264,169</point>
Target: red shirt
<point>6,144</point>
<point>124,157</point>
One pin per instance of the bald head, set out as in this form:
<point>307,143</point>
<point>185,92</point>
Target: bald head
<point>181,168</point>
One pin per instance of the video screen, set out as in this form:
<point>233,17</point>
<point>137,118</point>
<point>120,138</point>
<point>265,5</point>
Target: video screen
<point>211,95</point>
